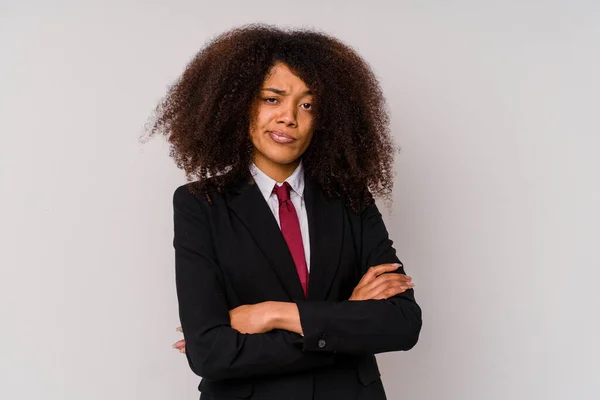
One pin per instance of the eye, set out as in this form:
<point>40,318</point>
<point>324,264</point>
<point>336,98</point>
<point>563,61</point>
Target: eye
<point>270,100</point>
<point>306,106</point>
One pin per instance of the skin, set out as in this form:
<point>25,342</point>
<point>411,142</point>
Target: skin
<point>284,105</point>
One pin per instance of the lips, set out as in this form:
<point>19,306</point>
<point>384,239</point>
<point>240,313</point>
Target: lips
<point>281,137</point>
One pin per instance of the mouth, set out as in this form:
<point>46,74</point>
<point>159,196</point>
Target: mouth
<point>280,137</point>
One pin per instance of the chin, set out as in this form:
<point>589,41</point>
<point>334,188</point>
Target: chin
<point>280,156</point>
<point>283,160</point>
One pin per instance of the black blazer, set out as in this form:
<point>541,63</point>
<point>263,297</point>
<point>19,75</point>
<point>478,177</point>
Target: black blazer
<point>232,252</point>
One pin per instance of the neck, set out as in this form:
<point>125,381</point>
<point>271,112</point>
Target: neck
<point>277,172</point>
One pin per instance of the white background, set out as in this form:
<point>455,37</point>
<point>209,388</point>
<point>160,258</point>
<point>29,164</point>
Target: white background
<point>495,213</point>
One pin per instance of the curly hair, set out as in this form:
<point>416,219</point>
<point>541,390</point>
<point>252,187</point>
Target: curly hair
<point>206,113</point>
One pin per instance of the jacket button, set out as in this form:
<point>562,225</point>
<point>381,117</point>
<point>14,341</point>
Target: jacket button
<point>322,343</point>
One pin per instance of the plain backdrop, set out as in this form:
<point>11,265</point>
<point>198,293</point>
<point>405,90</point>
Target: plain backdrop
<point>495,215</point>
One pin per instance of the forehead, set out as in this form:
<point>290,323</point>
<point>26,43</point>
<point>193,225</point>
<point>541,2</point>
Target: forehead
<point>282,77</point>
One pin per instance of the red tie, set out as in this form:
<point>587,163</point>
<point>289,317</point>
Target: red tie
<point>290,227</point>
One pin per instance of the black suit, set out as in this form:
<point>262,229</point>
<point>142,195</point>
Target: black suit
<point>232,252</point>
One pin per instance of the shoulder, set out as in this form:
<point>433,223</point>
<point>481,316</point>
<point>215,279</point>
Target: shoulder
<point>203,194</point>
<point>192,204</point>
<point>186,193</point>
<point>186,203</point>
<point>192,194</point>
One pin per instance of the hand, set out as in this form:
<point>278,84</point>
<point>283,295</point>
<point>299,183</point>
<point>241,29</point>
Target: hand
<point>377,285</point>
<point>180,344</point>
<point>252,318</point>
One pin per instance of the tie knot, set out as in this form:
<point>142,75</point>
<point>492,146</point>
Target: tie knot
<point>282,192</point>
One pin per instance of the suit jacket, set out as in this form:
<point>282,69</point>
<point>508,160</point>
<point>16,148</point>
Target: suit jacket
<point>232,252</point>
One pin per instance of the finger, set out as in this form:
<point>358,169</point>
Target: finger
<point>383,268</point>
<point>178,344</point>
<point>391,284</point>
<point>394,278</point>
<point>390,291</point>
<point>182,350</point>
<point>401,277</point>
<point>375,271</point>
<point>179,329</point>
<point>386,279</point>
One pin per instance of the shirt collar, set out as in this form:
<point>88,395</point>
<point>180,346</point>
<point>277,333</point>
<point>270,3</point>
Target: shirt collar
<point>266,183</point>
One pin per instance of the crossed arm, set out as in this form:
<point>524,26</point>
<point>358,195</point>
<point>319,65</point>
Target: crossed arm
<point>376,284</point>
<point>275,337</point>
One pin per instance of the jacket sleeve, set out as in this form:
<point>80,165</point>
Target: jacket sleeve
<point>214,349</point>
<point>369,326</point>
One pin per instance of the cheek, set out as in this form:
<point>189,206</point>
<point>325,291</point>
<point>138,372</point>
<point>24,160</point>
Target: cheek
<point>263,117</point>
<point>257,120</point>
<point>308,128</point>
<point>309,138</point>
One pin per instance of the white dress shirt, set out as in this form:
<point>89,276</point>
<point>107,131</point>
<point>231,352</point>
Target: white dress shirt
<point>296,181</point>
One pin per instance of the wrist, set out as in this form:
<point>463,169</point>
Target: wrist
<point>283,315</point>
<point>273,314</point>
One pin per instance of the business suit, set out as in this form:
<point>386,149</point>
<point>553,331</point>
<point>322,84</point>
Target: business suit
<point>231,252</point>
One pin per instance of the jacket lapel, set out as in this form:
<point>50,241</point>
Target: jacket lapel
<point>325,225</point>
<point>250,206</point>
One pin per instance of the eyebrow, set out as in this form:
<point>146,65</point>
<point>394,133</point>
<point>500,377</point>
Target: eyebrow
<point>283,92</point>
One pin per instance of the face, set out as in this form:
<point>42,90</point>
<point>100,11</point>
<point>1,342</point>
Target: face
<point>282,124</point>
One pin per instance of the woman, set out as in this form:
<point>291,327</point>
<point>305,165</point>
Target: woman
<point>286,279</point>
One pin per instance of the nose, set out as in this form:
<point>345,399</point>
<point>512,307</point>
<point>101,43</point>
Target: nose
<point>287,115</point>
